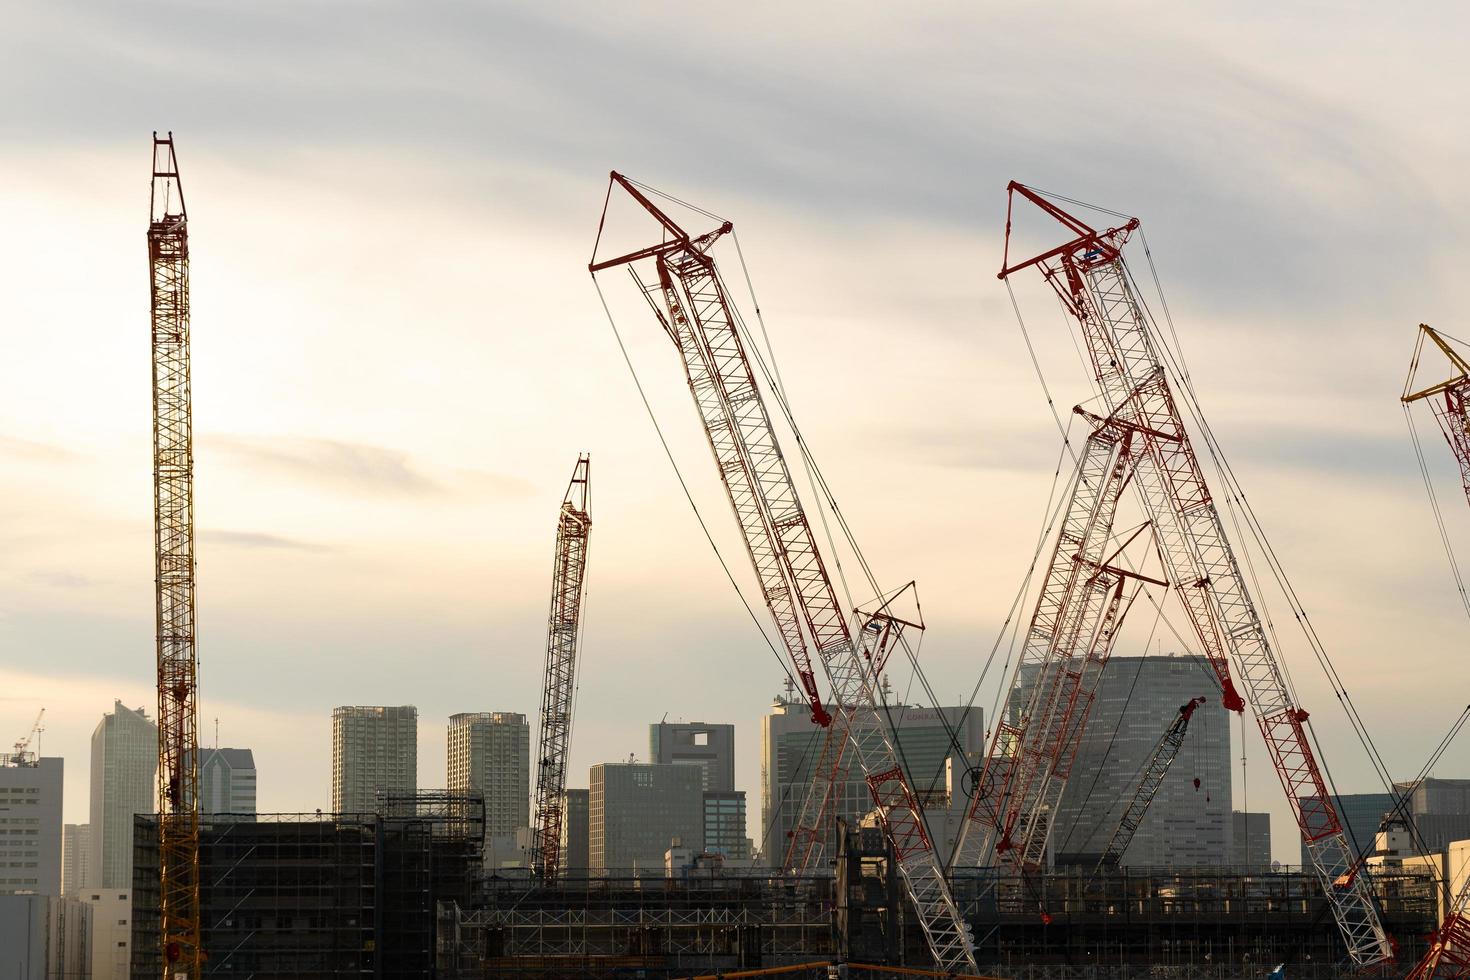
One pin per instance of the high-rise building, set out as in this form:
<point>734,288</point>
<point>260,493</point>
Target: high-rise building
<point>374,750</point>
<point>1188,823</point>
<point>711,747</point>
<point>30,826</point>
<point>636,810</point>
<point>76,853</point>
<point>1441,796</point>
<point>490,753</point>
<point>724,824</point>
<point>927,738</point>
<point>573,858</point>
<point>1361,814</point>
<point>226,781</point>
<point>1251,840</point>
<point>124,769</point>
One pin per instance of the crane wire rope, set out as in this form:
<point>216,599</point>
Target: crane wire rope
<point>1439,522</point>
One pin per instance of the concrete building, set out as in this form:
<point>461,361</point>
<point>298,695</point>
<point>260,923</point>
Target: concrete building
<point>112,931</point>
<point>791,746</point>
<point>637,810</point>
<point>490,754</point>
<point>76,853</point>
<point>1138,698</point>
<point>1361,814</point>
<point>69,931</point>
<point>1439,796</point>
<point>124,770</point>
<point>30,826</point>
<point>43,937</point>
<point>1250,834</point>
<point>374,749</point>
<point>227,781</point>
<point>724,825</point>
<point>695,743</point>
<point>574,857</point>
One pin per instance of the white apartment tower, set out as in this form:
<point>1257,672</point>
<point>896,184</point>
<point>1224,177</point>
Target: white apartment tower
<point>124,769</point>
<point>374,749</point>
<point>490,753</point>
<point>30,826</point>
<point>76,855</point>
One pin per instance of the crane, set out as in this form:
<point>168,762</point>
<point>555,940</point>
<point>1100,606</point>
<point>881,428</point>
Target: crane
<point>689,299</point>
<point>1090,277</point>
<point>23,754</point>
<point>173,537</point>
<point>563,629</point>
<point>1447,398</point>
<point>1158,764</point>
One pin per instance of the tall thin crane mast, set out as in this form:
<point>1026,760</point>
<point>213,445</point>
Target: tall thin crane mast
<point>1448,399</point>
<point>689,299</point>
<point>1154,770</point>
<point>1089,275</point>
<point>173,536</point>
<point>573,531</point>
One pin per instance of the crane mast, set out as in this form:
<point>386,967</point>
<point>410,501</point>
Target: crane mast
<point>1158,764</point>
<point>1090,277</point>
<point>573,530</point>
<point>1448,399</point>
<point>173,526</point>
<point>689,299</point>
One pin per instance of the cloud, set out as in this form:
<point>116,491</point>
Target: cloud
<point>364,469</point>
<point>61,579</point>
<point>260,539</point>
<point>38,452</point>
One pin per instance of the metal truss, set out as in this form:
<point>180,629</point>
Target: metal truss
<point>1159,761</point>
<point>1447,399</point>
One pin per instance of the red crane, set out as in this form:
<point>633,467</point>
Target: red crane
<point>1090,276</point>
<point>690,301</point>
<point>563,629</point>
<point>1448,400</point>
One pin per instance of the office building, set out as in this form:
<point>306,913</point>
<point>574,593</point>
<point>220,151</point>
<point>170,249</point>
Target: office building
<point>124,770</point>
<point>43,937</point>
<point>791,745</point>
<point>573,858</point>
<point>490,754</point>
<point>112,931</point>
<point>226,781</point>
<point>636,810</point>
<point>1439,796</point>
<point>30,825</point>
<point>76,853</point>
<point>1360,814</point>
<point>374,750</point>
<point>711,747</point>
<point>724,825</point>
<point>1250,834</point>
<point>1188,825</point>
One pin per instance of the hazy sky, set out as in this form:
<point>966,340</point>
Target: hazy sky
<point>398,353</point>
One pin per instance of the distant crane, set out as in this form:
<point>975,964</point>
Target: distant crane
<point>1158,764</point>
<point>689,299</point>
<point>173,537</point>
<point>568,573</point>
<point>1448,399</point>
<point>23,754</point>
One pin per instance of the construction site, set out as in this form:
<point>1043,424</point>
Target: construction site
<point>1145,513</point>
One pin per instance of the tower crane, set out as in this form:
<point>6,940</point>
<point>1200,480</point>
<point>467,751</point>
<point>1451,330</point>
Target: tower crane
<point>563,629</point>
<point>690,301</point>
<point>173,536</point>
<point>1089,275</point>
<point>1158,764</point>
<point>23,754</point>
<point>1447,399</point>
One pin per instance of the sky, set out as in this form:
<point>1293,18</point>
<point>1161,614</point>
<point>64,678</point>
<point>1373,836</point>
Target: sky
<point>398,352</point>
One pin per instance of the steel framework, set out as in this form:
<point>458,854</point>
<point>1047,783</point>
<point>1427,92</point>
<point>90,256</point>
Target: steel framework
<point>1090,276</point>
<point>573,531</point>
<point>1154,770</point>
<point>1449,406</point>
<point>173,527</point>
<point>689,299</point>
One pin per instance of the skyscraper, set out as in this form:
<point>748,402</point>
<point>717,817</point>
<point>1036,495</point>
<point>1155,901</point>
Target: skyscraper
<point>711,747</point>
<point>76,855</point>
<point>636,810</point>
<point>490,753</point>
<point>1251,833</point>
<point>30,826</point>
<point>573,860</point>
<point>791,746</point>
<point>226,781</point>
<point>124,767</point>
<point>374,749</point>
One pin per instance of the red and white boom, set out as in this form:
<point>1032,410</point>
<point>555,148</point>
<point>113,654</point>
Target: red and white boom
<point>690,301</point>
<point>1088,273</point>
<point>573,530</point>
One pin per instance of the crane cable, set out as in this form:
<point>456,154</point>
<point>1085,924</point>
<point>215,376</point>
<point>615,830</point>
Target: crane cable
<point>1439,522</point>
